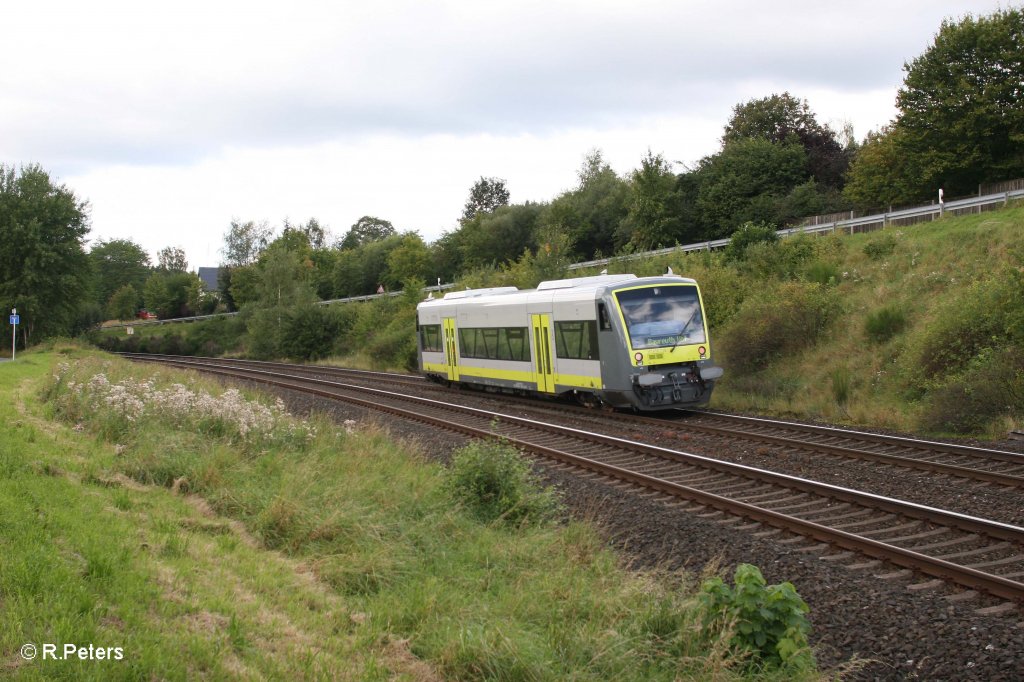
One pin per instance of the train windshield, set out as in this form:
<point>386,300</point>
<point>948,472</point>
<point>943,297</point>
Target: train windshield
<point>662,316</point>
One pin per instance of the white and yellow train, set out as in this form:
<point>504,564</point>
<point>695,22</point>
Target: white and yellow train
<point>617,340</point>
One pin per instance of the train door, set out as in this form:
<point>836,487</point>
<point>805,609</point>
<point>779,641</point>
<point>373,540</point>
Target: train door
<point>542,353</point>
<point>451,357</point>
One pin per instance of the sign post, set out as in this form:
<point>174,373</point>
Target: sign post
<point>15,319</point>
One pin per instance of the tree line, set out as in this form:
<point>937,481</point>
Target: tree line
<point>959,124</point>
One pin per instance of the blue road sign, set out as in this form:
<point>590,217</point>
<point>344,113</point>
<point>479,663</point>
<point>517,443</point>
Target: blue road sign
<point>15,319</point>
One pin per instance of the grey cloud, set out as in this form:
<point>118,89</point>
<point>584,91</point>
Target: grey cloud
<point>568,71</point>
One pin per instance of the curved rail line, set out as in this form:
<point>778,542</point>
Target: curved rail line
<point>949,459</point>
<point>974,552</point>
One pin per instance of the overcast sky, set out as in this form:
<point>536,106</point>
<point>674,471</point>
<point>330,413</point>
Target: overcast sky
<point>172,119</point>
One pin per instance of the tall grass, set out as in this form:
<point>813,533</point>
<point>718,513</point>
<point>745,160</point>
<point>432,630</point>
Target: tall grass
<point>471,596</point>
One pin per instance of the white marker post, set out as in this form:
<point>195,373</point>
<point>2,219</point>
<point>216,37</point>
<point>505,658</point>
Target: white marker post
<point>15,319</point>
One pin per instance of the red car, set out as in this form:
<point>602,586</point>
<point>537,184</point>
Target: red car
<point>145,315</point>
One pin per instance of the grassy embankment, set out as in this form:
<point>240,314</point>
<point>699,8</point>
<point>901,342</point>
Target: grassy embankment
<point>209,535</point>
<point>916,328</point>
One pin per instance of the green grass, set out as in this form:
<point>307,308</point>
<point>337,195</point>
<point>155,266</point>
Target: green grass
<point>205,551</point>
<point>896,298</point>
<point>910,296</point>
<point>90,557</point>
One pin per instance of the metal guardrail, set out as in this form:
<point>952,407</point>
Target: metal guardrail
<point>931,211</point>
<point>197,318</point>
<point>921,212</point>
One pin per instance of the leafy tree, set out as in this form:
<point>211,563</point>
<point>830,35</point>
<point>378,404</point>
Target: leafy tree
<point>592,212</point>
<point>784,119</point>
<point>882,174</point>
<point>309,332</point>
<point>960,104</point>
<point>282,291</point>
<point>291,239</point>
<point>117,263</point>
<point>365,230</point>
<point>498,236</point>
<point>324,262</point>
<point>485,195</point>
<point>123,303</point>
<point>244,242</point>
<point>198,299</point>
<point>44,270</point>
<point>652,220</point>
<point>172,259</point>
<point>746,181</point>
<point>225,274</point>
<point>242,283</point>
<point>317,235</point>
<point>282,281</point>
<point>360,271</point>
<point>409,260</point>
<point>960,120</point>
<point>167,293</point>
<point>447,252</point>
<point>549,261</point>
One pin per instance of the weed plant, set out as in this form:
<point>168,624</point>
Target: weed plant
<point>496,484</point>
<point>885,323</point>
<point>768,622</point>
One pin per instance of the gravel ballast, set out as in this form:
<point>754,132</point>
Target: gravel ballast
<point>905,627</point>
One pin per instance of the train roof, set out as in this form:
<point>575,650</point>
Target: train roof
<point>578,288</point>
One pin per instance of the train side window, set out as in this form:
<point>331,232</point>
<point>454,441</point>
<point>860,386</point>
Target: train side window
<point>431,337</point>
<point>602,316</point>
<point>489,338</point>
<point>467,343</point>
<point>576,340</point>
<point>513,344</point>
<point>494,343</point>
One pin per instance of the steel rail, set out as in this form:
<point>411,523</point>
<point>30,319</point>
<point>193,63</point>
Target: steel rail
<point>1010,480</point>
<point>964,575</point>
<point>855,453</point>
<point>903,441</point>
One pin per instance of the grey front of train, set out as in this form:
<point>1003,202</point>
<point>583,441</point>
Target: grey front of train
<point>618,340</point>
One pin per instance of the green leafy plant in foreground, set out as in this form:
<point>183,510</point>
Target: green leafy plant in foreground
<point>495,483</point>
<point>769,622</point>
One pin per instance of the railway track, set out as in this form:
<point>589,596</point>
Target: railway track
<point>946,459</point>
<point>980,464</point>
<point>978,554</point>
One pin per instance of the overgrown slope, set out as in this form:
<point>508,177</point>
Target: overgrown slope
<point>915,328</point>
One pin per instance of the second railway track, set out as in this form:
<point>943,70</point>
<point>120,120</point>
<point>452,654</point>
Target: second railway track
<point>976,464</point>
<point>976,553</point>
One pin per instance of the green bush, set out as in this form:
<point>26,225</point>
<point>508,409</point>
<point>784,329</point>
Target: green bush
<point>968,403</point>
<point>769,622</point>
<point>783,259</point>
<point>723,289</point>
<point>885,323</point>
<point>494,482</point>
<point>987,315</point>
<point>748,234</point>
<point>880,247</point>
<point>842,381</point>
<point>782,319</point>
<point>823,273</point>
<point>308,333</point>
